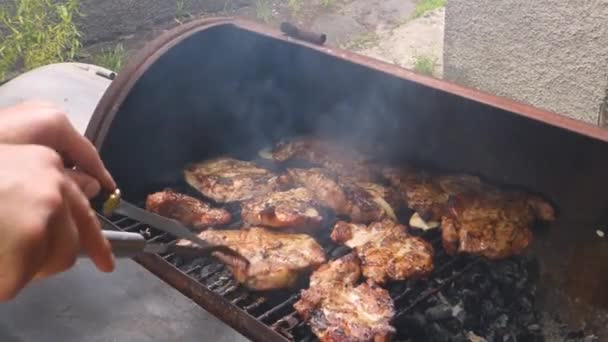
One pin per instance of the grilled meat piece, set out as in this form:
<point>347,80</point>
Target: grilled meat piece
<point>188,210</point>
<point>492,224</point>
<point>338,310</point>
<point>429,194</point>
<point>476,217</point>
<point>386,250</point>
<point>332,155</point>
<point>296,208</point>
<point>230,180</point>
<point>263,259</point>
<point>362,202</point>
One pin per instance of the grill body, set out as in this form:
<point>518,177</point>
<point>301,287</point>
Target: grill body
<point>222,86</point>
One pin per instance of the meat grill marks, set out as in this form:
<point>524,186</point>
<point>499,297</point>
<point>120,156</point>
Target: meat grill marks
<point>342,160</point>
<point>296,209</point>
<point>386,250</point>
<point>262,259</point>
<point>361,202</point>
<point>190,211</point>
<point>229,180</point>
<point>476,217</point>
<point>494,225</point>
<point>337,309</point>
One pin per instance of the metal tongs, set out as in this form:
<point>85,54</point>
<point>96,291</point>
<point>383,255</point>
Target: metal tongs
<point>128,245</point>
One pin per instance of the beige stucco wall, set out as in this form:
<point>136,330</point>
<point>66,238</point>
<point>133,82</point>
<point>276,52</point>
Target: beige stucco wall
<point>552,54</point>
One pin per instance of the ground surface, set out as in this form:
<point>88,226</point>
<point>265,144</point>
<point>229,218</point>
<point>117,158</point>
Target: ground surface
<point>382,29</point>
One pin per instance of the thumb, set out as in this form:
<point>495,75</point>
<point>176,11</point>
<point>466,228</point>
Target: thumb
<point>87,184</point>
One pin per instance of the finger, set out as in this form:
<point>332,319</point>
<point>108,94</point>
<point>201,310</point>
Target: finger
<point>87,184</point>
<point>80,151</point>
<point>92,240</point>
<point>62,245</point>
<point>19,265</point>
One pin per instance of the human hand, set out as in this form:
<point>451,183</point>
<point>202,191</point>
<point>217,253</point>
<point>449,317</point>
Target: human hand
<point>45,216</point>
<point>40,123</point>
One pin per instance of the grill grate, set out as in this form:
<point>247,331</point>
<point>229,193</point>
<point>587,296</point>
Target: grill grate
<point>275,309</point>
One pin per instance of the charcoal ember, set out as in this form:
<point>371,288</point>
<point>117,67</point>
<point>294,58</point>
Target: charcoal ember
<point>508,337</point>
<point>452,325</point>
<point>524,304</point>
<point>460,337</point>
<point>484,285</point>
<point>339,251</point>
<point>210,269</point>
<point>488,309</point>
<point>437,333</point>
<point>458,312</point>
<point>438,313</point>
<point>575,334</point>
<point>470,298</point>
<point>178,261</point>
<point>501,322</point>
<point>497,297</point>
<point>414,324</point>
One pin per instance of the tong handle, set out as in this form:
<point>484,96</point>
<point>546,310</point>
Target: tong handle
<point>124,245</point>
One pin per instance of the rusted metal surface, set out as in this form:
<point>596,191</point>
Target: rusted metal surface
<point>448,125</point>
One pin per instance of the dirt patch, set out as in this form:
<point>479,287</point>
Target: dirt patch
<point>380,28</point>
<point>411,42</point>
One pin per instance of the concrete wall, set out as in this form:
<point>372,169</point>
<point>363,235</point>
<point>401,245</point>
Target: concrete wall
<point>552,54</point>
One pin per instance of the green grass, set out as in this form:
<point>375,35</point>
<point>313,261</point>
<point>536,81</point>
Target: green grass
<point>111,59</point>
<point>425,6</point>
<point>263,10</point>
<point>294,6</point>
<point>425,65</point>
<point>37,33</point>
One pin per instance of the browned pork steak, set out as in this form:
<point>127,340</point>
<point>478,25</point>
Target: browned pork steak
<point>264,259</point>
<point>386,250</point>
<point>476,217</point>
<point>230,180</point>
<point>492,224</point>
<point>190,211</point>
<point>339,310</point>
<point>295,209</point>
<point>332,155</point>
<point>361,202</point>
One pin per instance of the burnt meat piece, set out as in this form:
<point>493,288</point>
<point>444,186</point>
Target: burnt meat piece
<point>230,180</point>
<point>296,208</point>
<point>188,210</point>
<point>332,155</point>
<point>362,202</point>
<point>337,309</point>
<point>386,250</point>
<point>263,259</point>
<point>492,224</point>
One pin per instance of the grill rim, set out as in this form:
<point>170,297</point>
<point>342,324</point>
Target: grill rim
<point>215,304</point>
